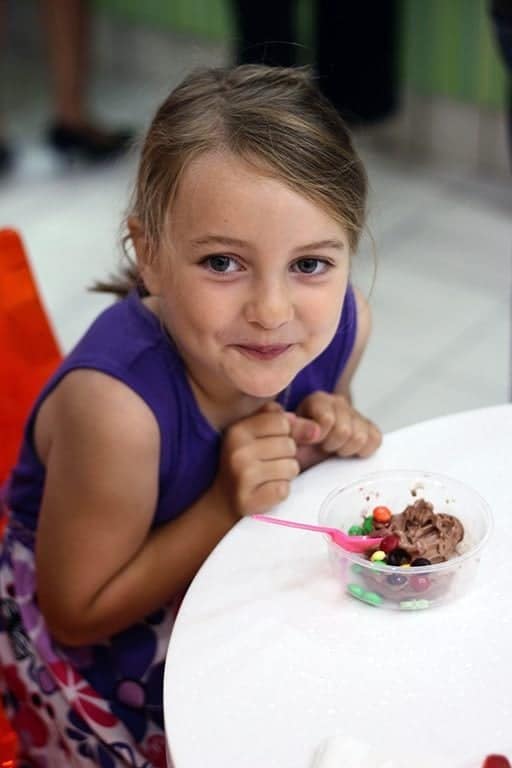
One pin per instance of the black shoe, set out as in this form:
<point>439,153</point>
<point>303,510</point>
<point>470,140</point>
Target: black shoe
<point>88,144</point>
<point>5,159</point>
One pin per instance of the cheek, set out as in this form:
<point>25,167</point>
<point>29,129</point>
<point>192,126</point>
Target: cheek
<point>323,311</point>
<point>210,314</point>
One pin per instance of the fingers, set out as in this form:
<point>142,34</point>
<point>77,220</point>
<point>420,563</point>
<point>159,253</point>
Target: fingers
<point>305,431</point>
<point>333,415</point>
<point>364,438</point>
<point>344,431</point>
<point>258,460</point>
<point>270,406</point>
<point>262,453</point>
<point>255,475</point>
<point>266,422</point>
<point>341,418</point>
<point>267,496</point>
<point>262,483</point>
<point>272,420</point>
<point>373,442</point>
<point>321,408</point>
<point>263,449</point>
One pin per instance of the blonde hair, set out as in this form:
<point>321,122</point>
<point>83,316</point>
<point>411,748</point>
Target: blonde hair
<point>272,117</point>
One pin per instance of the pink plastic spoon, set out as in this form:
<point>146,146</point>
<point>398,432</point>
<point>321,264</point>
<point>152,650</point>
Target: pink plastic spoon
<point>343,540</point>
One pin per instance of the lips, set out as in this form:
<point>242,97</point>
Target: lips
<point>267,352</point>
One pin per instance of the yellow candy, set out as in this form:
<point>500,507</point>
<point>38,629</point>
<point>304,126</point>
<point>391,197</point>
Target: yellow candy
<point>405,565</point>
<point>377,556</point>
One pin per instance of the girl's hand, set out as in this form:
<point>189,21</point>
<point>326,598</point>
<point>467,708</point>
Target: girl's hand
<point>259,459</point>
<point>343,431</point>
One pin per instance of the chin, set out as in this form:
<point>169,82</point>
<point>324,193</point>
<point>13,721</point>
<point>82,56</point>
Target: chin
<point>263,390</point>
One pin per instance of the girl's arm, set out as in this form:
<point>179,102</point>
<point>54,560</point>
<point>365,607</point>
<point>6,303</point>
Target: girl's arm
<point>100,567</point>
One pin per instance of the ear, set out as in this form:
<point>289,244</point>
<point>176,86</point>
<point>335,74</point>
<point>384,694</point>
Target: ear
<point>148,263</point>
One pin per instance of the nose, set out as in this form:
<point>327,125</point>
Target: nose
<point>269,305</point>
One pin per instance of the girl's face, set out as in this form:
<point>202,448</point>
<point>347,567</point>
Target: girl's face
<point>250,277</point>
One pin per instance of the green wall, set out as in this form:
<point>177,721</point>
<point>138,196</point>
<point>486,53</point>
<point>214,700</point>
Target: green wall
<point>205,18</point>
<point>448,49</point>
<point>446,45</point>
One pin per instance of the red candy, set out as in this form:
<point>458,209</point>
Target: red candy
<point>381,515</point>
<point>389,542</point>
<point>496,761</point>
<point>420,584</point>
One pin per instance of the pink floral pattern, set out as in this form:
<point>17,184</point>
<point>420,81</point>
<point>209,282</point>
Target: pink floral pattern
<point>98,705</point>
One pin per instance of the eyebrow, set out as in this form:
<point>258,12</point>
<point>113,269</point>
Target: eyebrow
<point>225,240</point>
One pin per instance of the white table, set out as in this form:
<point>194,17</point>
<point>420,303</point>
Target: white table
<point>269,658</point>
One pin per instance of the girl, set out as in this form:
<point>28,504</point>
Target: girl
<point>223,373</point>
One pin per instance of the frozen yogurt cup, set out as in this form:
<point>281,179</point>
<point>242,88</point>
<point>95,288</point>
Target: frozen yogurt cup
<point>410,585</point>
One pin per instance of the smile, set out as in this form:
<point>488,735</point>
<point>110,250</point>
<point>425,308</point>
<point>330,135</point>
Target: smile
<point>269,352</point>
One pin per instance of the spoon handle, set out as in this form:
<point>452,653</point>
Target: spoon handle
<point>291,524</point>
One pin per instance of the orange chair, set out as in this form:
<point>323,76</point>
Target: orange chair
<point>28,355</point>
<point>29,351</point>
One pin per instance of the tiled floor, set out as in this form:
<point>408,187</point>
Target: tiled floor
<point>441,301</point>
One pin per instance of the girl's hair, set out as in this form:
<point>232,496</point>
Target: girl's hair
<point>274,118</point>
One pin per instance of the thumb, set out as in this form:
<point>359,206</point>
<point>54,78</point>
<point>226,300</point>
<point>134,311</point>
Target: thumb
<point>303,430</point>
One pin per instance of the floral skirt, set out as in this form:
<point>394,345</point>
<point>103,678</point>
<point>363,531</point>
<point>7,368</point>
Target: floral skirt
<point>98,705</point>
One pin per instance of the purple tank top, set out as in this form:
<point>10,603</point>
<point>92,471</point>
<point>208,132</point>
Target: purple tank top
<point>127,342</point>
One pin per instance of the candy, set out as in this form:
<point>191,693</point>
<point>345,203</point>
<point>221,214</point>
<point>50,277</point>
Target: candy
<point>355,530</point>
<point>368,525</point>
<point>381,515</point>
<point>372,598</point>
<point>355,568</point>
<point>420,583</point>
<point>397,579</point>
<point>389,542</point>
<point>414,605</point>
<point>496,761</point>
<point>398,556</point>
<point>378,556</point>
<point>420,561</point>
<point>356,590</point>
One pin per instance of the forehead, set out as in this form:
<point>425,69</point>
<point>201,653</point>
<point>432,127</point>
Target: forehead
<point>219,189</point>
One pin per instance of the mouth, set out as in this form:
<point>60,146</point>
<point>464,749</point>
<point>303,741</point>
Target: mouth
<point>267,352</point>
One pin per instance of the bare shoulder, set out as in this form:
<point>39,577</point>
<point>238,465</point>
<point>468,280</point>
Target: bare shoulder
<point>364,326</point>
<point>89,407</point>
<point>102,448</point>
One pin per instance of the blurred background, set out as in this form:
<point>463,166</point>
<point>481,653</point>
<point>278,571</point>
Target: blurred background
<point>432,129</point>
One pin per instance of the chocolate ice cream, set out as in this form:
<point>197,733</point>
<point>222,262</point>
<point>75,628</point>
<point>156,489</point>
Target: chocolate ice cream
<point>423,533</point>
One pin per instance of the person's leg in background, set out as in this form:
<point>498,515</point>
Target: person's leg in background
<point>356,50</point>
<point>68,28</point>
<point>5,153</point>
<point>265,32</point>
<point>501,13</point>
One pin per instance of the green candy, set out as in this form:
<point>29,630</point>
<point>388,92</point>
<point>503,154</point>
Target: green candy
<point>355,530</point>
<point>368,525</point>
<point>355,568</point>
<point>372,598</point>
<point>414,605</point>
